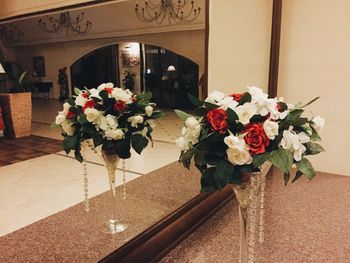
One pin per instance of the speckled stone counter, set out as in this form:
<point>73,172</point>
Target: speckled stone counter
<point>305,222</point>
<point>73,235</point>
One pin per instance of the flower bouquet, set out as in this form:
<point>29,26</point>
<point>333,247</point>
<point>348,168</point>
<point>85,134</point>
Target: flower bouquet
<point>231,136</point>
<point>112,120</point>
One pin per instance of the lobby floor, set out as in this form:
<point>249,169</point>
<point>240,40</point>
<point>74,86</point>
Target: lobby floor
<point>45,180</point>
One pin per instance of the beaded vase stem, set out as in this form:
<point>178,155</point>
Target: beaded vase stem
<point>246,195</point>
<point>112,225</point>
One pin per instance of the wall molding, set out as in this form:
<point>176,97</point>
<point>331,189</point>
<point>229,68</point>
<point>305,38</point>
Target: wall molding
<point>113,34</point>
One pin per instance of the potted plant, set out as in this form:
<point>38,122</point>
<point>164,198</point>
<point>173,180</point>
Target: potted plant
<point>17,104</point>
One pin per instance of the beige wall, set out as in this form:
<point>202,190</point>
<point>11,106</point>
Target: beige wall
<point>58,55</point>
<point>315,61</point>
<point>239,44</point>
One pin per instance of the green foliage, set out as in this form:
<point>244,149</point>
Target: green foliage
<point>210,106</point>
<point>259,159</point>
<point>282,159</point>
<point>245,98</point>
<point>310,102</point>
<point>314,148</point>
<point>194,100</point>
<point>183,115</point>
<point>306,168</point>
<point>138,142</point>
<point>231,116</point>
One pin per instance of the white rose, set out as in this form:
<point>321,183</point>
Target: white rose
<point>298,153</point>
<point>67,128</point>
<point>135,120</point>
<point>60,118</point>
<point>80,100</point>
<point>92,115</point>
<point>258,96</point>
<point>183,131</point>
<point>111,121</point>
<point>228,102</point>
<point>193,134</point>
<point>95,93</point>
<point>294,143</point>
<point>303,138</point>
<point>122,95</point>
<point>271,129</point>
<point>215,97</point>
<point>149,110</point>
<point>245,112</point>
<point>192,122</point>
<point>182,143</point>
<point>102,123</point>
<point>114,134</point>
<point>235,142</point>
<point>318,123</point>
<point>103,86</point>
<point>143,132</point>
<point>237,157</point>
<point>66,107</point>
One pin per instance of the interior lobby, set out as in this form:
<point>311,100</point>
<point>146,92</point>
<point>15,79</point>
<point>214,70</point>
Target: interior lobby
<point>144,82</point>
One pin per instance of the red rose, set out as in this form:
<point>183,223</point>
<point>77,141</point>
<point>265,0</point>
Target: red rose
<point>256,138</point>
<point>89,104</point>
<point>217,119</point>
<point>236,96</point>
<point>134,99</point>
<point>85,95</point>
<point>109,90</point>
<point>70,115</point>
<point>120,106</point>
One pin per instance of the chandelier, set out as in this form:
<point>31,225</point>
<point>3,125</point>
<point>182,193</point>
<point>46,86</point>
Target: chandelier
<point>174,11</point>
<point>64,22</point>
<point>10,33</point>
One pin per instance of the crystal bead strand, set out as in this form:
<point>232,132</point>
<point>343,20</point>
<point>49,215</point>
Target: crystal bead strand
<point>262,212</point>
<point>251,228</point>
<point>85,179</point>
<point>124,180</point>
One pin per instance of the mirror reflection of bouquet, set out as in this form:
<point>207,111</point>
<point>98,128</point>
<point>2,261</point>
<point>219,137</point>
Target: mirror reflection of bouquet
<point>229,137</point>
<point>113,118</point>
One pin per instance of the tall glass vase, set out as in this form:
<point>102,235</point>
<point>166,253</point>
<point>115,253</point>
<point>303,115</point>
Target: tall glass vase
<point>246,195</point>
<point>112,225</point>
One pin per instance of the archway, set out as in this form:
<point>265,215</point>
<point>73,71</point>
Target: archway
<point>139,67</point>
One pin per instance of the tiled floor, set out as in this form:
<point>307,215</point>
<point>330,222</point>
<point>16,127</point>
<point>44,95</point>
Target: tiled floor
<point>37,179</point>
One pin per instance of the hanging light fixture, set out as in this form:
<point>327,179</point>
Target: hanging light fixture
<point>173,11</point>
<point>10,33</point>
<point>64,22</point>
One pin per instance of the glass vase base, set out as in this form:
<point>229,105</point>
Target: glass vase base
<point>113,227</point>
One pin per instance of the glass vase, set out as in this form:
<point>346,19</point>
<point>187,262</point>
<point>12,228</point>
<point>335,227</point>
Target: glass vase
<point>112,225</point>
<point>246,195</point>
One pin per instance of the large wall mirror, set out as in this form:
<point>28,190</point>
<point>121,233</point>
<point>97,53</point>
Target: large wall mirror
<point>226,47</point>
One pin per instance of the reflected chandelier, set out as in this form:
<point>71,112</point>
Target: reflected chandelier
<point>65,23</point>
<point>10,33</point>
<point>175,11</point>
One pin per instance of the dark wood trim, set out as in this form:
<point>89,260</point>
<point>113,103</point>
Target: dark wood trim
<point>158,240</point>
<point>206,48</point>
<point>52,10</point>
<point>275,47</point>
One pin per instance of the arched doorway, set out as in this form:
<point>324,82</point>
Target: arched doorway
<point>139,67</point>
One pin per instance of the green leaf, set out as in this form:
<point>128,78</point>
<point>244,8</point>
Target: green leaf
<point>223,171</point>
<point>208,182</point>
<point>314,136</point>
<point>199,158</point>
<point>187,155</point>
<point>23,75</point>
<point>123,148</point>
<point>70,101</point>
<point>314,148</point>
<point>97,139</point>
<point>194,100</point>
<point>157,114</point>
<point>183,115</point>
<point>259,159</point>
<point>69,143</point>
<point>200,111</point>
<point>245,98</point>
<point>103,94</point>
<point>54,126</point>
<point>145,97</point>
<point>210,106</point>
<point>312,101</point>
<point>77,91</point>
<point>231,116</point>
<point>306,168</point>
<point>82,119</point>
<point>138,142</point>
<point>298,121</point>
<point>294,114</point>
<point>298,174</point>
<point>286,178</point>
<point>282,159</point>
<point>78,156</point>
